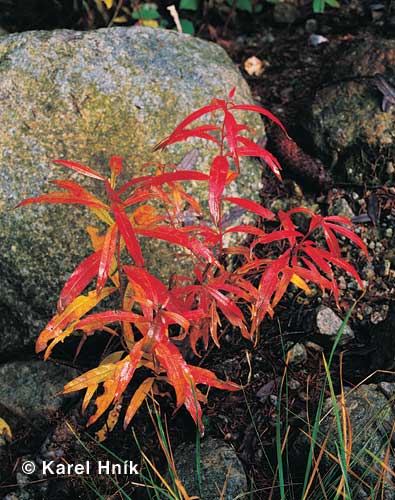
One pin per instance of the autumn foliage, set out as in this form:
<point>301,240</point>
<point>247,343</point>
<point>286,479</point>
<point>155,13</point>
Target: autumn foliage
<point>152,313</point>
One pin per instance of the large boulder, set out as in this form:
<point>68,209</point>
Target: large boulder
<point>85,96</point>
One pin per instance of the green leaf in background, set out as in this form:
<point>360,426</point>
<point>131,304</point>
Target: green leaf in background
<point>187,26</point>
<point>245,5</point>
<point>319,5</point>
<point>189,5</point>
<point>146,11</point>
<point>333,3</point>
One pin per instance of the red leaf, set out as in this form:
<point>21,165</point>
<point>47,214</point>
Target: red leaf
<point>282,285</point>
<point>331,241</point>
<point>201,132</point>
<point>350,235</point>
<point>154,289</point>
<point>80,278</point>
<point>125,374</point>
<point>125,226</point>
<point>344,265</point>
<point>252,149</point>
<point>98,320</point>
<point>338,219</point>
<point>81,169</point>
<point>246,229</point>
<point>116,163</point>
<point>189,119</point>
<point>107,254</point>
<point>277,236</point>
<point>229,309</point>
<point>59,197</point>
<point>207,377</point>
<point>262,111</point>
<point>316,255</point>
<point>218,174</point>
<point>158,180</point>
<point>252,207</point>
<point>232,93</point>
<point>180,378</point>
<point>231,129</point>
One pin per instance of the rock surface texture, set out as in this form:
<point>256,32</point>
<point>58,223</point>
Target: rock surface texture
<point>29,389</point>
<point>85,96</point>
<point>371,416</point>
<point>219,466</point>
<point>346,115</point>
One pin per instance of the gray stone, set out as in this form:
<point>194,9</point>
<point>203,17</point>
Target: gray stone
<point>297,354</point>
<point>387,388</point>
<point>85,96</point>
<point>219,466</point>
<point>341,207</point>
<point>29,389</point>
<point>371,418</point>
<point>328,323</point>
<point>346,117</point>
<point>285,13</point>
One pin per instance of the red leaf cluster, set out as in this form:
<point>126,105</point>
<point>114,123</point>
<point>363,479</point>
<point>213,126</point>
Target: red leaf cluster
<point>152,312</point>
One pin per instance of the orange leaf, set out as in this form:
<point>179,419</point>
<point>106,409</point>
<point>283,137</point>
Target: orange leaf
<point>137,399</point>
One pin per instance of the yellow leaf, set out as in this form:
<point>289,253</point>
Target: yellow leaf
<point>113,416</point>
<point>112,419</point>
<point>114,357</point>
<point>80,305</point>
<point>5,429</point>
<point>120,19</point>
<point>108,3</point>
<point>103,215</point>
<point>91,377</point>
<point>101,434</point>
<point>137,399</point>
<point>151,23</point>
<point>90,391</point>
<point>104,400</point>
<point>300,283</point>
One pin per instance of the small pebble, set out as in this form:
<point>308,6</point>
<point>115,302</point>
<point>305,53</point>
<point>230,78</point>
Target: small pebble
<point>328,323</point>
<point>342,283</point>
<point>297,354</point>
<point>311,25</point>
<point>341,207</point>
<point>387,388</point>
<point>273,399</point>
<point>293,384</point>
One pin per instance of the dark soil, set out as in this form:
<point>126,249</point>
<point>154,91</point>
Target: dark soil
<point>247,419</point>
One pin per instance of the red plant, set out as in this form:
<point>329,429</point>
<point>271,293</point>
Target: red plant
<point>148,307</point>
